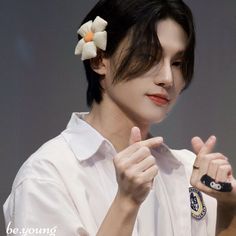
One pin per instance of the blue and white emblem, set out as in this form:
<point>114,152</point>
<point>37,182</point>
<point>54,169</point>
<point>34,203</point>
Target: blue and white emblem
<point>198,208</point>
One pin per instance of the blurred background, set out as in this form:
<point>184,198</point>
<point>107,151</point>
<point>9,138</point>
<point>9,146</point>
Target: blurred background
<point>42,82</point>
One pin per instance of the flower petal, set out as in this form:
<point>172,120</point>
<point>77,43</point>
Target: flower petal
<point>98,25</point>
<point>85,28</point>
<point>79,47</point>
<point>100,40</point>
<point>89,51</point>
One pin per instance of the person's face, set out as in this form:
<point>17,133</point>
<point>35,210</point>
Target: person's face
<point>140,98</point>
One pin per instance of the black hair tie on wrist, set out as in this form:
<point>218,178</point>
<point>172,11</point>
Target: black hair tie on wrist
<point>219,186</point>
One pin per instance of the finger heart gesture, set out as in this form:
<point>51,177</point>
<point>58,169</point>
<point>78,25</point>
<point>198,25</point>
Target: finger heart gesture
<point>136,167</point>
<point>212,173</point>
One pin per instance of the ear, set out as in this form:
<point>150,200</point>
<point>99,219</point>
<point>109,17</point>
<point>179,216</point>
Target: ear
<point>99,64</point>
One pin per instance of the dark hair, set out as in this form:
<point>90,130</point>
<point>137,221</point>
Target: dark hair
<point>138,19</point>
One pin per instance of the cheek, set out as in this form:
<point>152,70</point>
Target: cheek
<point>128,96</point>
<point>179,84</point>
<point>123,92</point>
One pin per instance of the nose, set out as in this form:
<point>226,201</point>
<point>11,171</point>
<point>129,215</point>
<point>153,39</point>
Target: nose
<point>165,75</point>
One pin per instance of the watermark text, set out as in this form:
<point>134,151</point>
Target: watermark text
<point>30,231</point>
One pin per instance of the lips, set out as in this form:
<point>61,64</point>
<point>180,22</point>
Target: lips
<point>159,99</point>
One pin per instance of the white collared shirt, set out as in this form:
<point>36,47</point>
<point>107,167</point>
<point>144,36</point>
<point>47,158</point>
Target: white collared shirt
<point>69,183</point>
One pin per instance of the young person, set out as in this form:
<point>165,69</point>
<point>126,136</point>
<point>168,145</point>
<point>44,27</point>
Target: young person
<point>105,174</point>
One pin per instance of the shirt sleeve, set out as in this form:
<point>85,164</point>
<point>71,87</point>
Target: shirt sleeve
<point>44,207</point>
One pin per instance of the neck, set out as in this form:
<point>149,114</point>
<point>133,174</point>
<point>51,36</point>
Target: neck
<point>114,124</point>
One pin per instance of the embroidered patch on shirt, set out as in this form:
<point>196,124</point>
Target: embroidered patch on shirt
<point>198,208</point>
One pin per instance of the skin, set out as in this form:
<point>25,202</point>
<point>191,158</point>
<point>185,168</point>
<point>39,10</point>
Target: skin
<point>124,117</point>
<point>216,165</point>
<point>139,111</point>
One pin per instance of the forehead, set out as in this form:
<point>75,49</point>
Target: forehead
<point>172,36</point>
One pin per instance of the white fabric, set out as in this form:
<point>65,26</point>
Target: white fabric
<point>70,183</point>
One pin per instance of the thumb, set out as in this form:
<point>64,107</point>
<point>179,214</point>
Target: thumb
<point>197,144</point>
<point>135,135</point>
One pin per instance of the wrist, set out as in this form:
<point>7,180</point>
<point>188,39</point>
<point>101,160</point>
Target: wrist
<point>126,203</point>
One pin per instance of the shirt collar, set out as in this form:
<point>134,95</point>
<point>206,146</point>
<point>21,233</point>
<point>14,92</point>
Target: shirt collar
<point>85,141</point>
<point>82,138</point>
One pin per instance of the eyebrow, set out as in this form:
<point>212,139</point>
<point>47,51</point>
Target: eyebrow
<point>180,53</point>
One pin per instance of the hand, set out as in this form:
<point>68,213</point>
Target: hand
<point>216,166</point>
<point>136,167</point>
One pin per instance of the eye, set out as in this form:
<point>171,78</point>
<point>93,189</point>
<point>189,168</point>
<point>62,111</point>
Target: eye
<point>177,63</point>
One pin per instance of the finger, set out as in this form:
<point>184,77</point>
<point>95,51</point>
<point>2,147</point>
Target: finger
<point>149,174</point>
<point>223,173</point>
<point>208,146</point>
<point>203,188</point>
<point>203,166</point>
<point>145,164</point>
<point>207,159</point>
<point>135,135</point>
<point>136,157</point>
<point>214,166</point>
<point>152,142</point>
<point>197,144</point>
<point>205,149</point>
<point>127,152</point>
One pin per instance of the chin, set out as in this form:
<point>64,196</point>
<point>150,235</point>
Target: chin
<point>151,117</point>
<point>157,120</point>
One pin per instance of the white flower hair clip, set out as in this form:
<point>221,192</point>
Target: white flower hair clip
<point>93,36</point>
